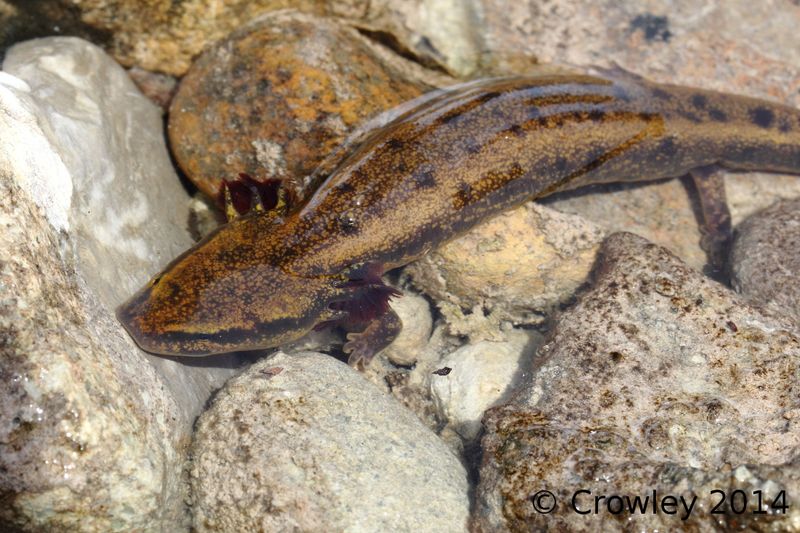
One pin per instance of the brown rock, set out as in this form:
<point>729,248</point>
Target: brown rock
<point>276,97</point>
<point>165,35</point>
<point>657,379</point>
<point>159,35</point>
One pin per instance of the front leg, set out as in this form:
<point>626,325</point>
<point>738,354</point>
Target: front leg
<point>364,309</point>
<point>378,334</point>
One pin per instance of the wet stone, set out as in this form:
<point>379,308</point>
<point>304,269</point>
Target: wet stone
<point>93,432</point>
<point>303,442</point>
<point>518,266</point>
<point>166,35</point>
<point>657,379</point>
<point>415,314</point>
<point>478,376</point>
<point>158,35</point>
<point>752,51</point>
<point>159,88</point>
<point>765,259</point>
<point>275,97</point>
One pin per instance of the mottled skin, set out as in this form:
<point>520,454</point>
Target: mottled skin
<point>268,278</point>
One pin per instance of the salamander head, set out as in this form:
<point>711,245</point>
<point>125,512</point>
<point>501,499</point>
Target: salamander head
<point>228,293</point>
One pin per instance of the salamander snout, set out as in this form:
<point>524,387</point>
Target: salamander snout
<point>223,296</point>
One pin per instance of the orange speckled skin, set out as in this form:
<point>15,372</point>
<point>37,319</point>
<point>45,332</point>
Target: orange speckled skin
<point>434,173</point>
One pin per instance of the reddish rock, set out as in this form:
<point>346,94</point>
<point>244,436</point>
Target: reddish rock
<point>276,97</point>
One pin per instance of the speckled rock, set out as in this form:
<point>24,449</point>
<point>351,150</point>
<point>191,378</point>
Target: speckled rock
<point>107,181</point>
<point>90,437</point>
<point>93,432</point>
<point>478,376</point>
<point>304,442</point>
<point>765,258</point>
<point>157,35</point>
<point>657,379</point>
<point>518,267</point>
<point>164,35</point>
<point>277,96</point>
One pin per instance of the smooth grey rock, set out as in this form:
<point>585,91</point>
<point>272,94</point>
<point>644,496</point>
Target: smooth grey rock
<point>658,378</point>
<point>304,443</point>
<point>765,258</point>
<point>93,432</point>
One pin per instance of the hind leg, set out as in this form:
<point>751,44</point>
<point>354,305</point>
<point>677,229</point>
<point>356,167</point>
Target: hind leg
<point>715,223</point>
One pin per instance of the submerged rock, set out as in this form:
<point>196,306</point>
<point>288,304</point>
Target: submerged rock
<point>165,35</point>
<point>92,432</point>
<point>753,45</point>
<point>657,379</point>
<point>415,313</point>
<point>478,376</point>
<point>518,267</point>
<point>104,178</point>
<point>765,258</point>
<point>304,442</point>
<point>276,97</point>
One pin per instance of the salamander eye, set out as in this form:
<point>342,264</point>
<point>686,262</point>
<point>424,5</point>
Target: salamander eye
<point>348,223</point>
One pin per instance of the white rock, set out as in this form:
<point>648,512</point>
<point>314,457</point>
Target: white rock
<point>415,312</point>
<point>92,433</point>
<point>90,151</point>
<point>481,375</point>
